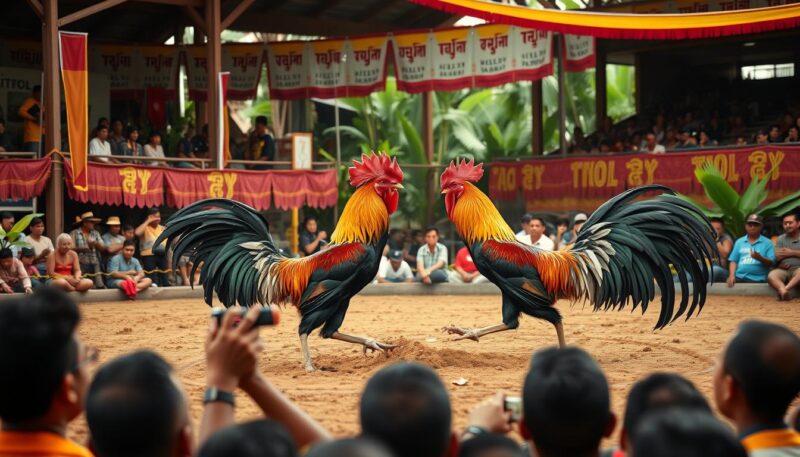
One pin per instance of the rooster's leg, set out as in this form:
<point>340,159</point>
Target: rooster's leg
<point>307,363</point>
<point>368,343</point>
<point>560,332</point>
<point>474,333</point>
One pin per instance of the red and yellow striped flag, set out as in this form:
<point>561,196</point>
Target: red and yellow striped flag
<point>75,75</point>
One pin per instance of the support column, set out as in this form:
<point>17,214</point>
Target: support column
<point>537,129</point>
<point>600,85</point>
<point>427,141</point>
<point>562,96</point>
<point>51,107</point>
<point>200,111</point>
<point>214,66</point>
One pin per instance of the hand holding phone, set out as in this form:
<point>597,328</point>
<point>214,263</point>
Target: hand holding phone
<point>269,315</point>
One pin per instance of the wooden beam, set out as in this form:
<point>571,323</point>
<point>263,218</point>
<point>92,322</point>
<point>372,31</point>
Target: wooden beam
<point>301,25</point>
<point>196,19</point>
<point>191,3</point>
<point>233,15</point>
<point>214,66</point>
<point>428,143</point>
<point>562,94</point>
<point>537,118</point>
<point>51,97</point>
<point>37,7</point>
<point>326,5</point>
<point>88,11</point>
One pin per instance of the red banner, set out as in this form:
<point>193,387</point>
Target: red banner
<point>75,73</point>
<point>23,179</point>
<point>318,189</point>
<point>583,183</point>
<point>188,186</point>
<point>137,186</point>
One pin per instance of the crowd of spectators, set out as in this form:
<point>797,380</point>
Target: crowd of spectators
<point>135,405</point>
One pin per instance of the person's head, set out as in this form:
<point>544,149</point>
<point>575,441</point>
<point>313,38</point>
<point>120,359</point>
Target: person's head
<point>6,258</point>
<point>431,236</point>
<point>349,447</point>
<point>659,391</point>
<point>37,92</point>
<point>136,407</point>
<point>87,221</point>
<point>36,226</point>
<point>719,225</point>
<point>536,228</point>
<point>132,133</point>
<point>793,133</point>
<point>685,433</point>
<point>578,221</point>
<point>63,243</point>
<point>685,136</point>
<point>128,248</point>
<point>703,137</point>
<point>490,445</point>
<point>45,373</point>
<point>310,224</point>
<point>27,255</point>
<point>103,121</point>
<point>261,125</point>
<point>761,137</point>
<point>741,141</point>
<point>259,438</point>
<point>101,132</point>
<point>651,140</point>
<point>155,216</point>
<point>405,406</point>
<point>117,127</point>
<point>525,222</point>
<point>566,403</point>
<point>562,223</point>
<point>791,224</point>
<point>396,258</point>
<point>418,236</point>
<point>753,225</point>
<point>155,138</point>
<point>759,374</point>
<point>6,220</point>
<point>128,231</point>
<point>774,132</point>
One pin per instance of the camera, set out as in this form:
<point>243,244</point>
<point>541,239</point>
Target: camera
<point>514,405</point>
<point>269,315</point>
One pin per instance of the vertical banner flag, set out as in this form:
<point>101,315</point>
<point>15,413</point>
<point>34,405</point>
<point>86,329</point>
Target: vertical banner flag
<point>75,74</point>
<point>579,53</point>
<point>326,69</point>
<point>224,146</point>
<point>493,56</point>
<point>452,59</point>
<point>412,62</point>
<point>534,51</point>
<point>286,70</point>
<point>244,62</point>
<point>366,65</point>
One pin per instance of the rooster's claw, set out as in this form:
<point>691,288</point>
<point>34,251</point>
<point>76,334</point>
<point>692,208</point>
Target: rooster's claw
<point>463,333</point>
<point>373,346</point>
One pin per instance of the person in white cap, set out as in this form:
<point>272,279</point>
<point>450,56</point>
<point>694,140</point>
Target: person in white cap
<point>569,238</point>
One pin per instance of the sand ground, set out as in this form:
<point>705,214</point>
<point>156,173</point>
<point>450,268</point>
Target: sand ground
<point>622,342</point>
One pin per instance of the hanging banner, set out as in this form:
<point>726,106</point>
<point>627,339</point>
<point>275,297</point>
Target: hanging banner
<point>366,65</point>
<point>131,186</point>
<point>286,70</point>
<point>21,54</point>
<point>75,75</point>
<point>412,62</point>
<point>293,189</point>
<point>23,179</point>
<point>579,53</point>
<point>493,56</point>
<point>534,51</point>
<point>119,63</point>
<point>583,183</point>
<point>158,67</point>
<point>452,59</point>
<point>185,187</point>
<point>326,69</point>
<point>242,60</point>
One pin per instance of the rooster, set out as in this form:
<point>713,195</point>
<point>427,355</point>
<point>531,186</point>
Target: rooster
<point>242,265</point>
<point>618,252</point>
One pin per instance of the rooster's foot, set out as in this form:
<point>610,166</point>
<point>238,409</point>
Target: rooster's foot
<point>462,332</point>
<point>309,367</point>
<point>373,345</point>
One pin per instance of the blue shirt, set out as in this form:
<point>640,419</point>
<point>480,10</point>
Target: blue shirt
<point>118,263</point>
<point>748,267</point>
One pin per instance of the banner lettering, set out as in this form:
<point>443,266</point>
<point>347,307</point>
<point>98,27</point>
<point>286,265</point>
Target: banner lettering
<point>579,53</point>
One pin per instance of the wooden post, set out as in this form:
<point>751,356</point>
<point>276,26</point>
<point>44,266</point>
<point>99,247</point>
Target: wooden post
<point>427,141</point>
<point>214,66</point>
<point>537,119</point>
<point>200,111</point>
<point>51,98</point>
<point>562,96</point>
<point>600,85</point>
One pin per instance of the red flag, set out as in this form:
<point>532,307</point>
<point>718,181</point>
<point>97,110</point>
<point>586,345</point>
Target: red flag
<point>157,107</point>
<point>224,140</point>
<point>75,75</point>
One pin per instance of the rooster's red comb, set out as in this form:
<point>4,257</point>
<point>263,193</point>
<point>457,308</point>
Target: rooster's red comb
<point>460,172</point>
<point>374,166</point>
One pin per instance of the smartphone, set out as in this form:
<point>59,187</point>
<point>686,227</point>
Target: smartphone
<point>269,315</point>
<point>513,404</point>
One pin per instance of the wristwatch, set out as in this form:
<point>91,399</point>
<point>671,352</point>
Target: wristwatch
<point>216,395</point>
<point>473,431</point>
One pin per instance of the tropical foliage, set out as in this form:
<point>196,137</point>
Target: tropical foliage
<point>11,238</point>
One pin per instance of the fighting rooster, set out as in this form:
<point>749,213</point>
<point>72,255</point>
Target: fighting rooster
<point>620,249</point>
<point>242,265</point>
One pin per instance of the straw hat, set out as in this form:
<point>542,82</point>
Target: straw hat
<point>87,216</point>
<point>113,220</point>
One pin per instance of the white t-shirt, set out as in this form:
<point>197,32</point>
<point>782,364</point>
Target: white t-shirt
<point>389,273</point>
<point>39,246</point>
<point>158,152</point>
<point>544,242</point>
<point>100,148</point>
<point>658,149</point>
<point>524,238</point>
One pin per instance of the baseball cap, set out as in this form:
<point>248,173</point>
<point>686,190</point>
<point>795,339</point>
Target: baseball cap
<point>395,255</point>
<point>754,219</point>
<point>580,217</point>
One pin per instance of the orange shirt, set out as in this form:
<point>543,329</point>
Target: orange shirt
<point>32,129</point>
<point>39,444</point>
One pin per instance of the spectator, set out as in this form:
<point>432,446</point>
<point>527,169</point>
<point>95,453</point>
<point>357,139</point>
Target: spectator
<point>42,245</point>
<point>64,268</point>
<point>131,147</point>
<point>349,447</point>
<point>687,141</point>
<point>126,272</point>
<point>752,255</point>
<point>45,375</point>
<point>761,137</point>
<point>432,259</point>
<point>740,141</point>
<point>569,238</point>
<point>658,392</point>
<point>129,233</point>
<point>99,148</point>
<point>417,241</point>
<point>30,111</point>
<point>89,245</point>
<point>117,138</point>
<point>566,404</point>
<point>523,236</point>
<point>185,266</point>
<point>724,246</point>
<point>27,256</point>
<point>113,239</point>
<point>185,148</point>
<point>311,239</point>
<point>756,379</point>
<point>396,269</point>
<point>490,445</point>
<point>262,144</point>
<point>397,239</point>
<point>259,438</point>
<point>562,226</point>
<point>685,433</point>
<point>103,122</point>
<point>6,145</point>
<point>405,406</point>
<point>7,222</point>
<point>793,136</point>
<point>466,272</point>
<point>651,145</point>
<point>200,143</point>
<point>154,149</point>
<point>705,141</point>
<point>13,276</point>
<point>671,141</point>
<point>786,276</point>
<point>537,237</point>
<point>135,407</point>
<point>154,258</point>
<point>775,134</point>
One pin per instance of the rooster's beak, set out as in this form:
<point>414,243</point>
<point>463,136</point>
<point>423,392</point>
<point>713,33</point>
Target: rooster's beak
<point>444,191</point>
<point>398,186</point>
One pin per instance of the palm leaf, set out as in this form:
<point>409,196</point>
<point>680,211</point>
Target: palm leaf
<point>781,206</point>
<point>755,194</point>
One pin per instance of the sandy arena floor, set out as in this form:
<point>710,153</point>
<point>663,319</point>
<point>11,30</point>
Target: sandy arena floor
<point>622,342</point>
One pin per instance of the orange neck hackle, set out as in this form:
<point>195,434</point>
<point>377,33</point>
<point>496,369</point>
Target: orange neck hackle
<point>477,219</point>
<point>365,218</point>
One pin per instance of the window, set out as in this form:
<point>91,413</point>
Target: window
<point>780,70</point>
